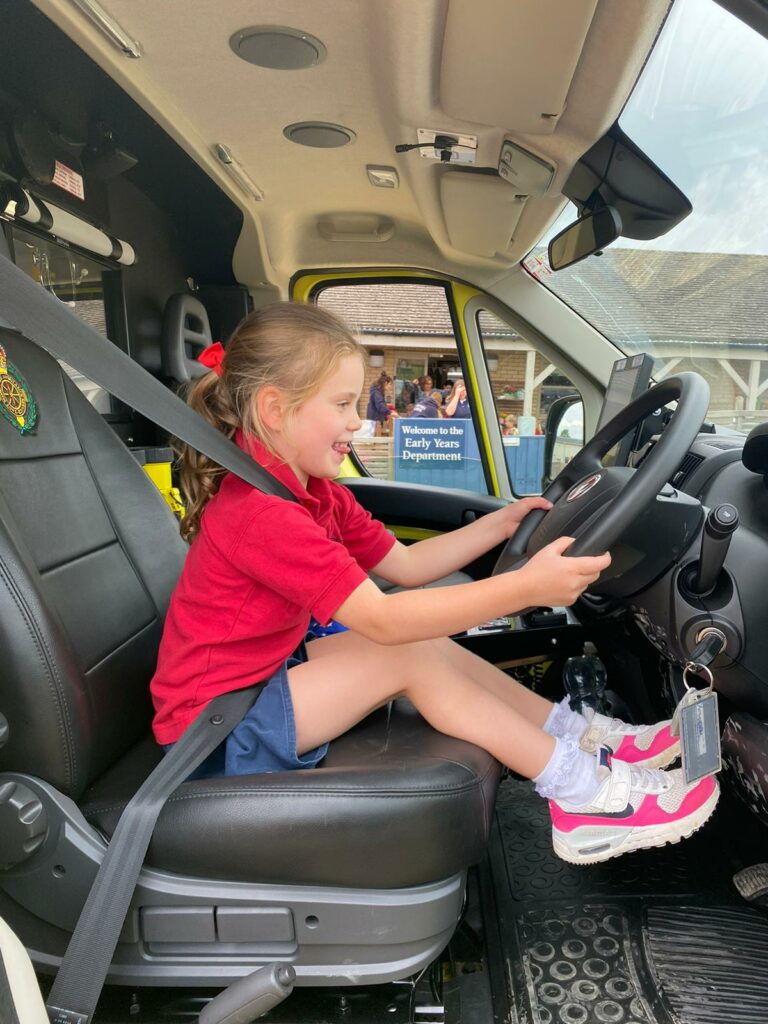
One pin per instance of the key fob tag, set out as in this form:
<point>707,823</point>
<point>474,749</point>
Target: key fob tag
<point>698,721</point>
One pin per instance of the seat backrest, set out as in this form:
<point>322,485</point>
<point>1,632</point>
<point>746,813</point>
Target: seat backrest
<point>89,555</point>
<point>186,332</point>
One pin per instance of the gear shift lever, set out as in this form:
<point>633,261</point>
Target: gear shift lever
<point>715,541</point>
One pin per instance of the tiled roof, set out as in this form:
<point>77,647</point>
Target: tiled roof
<point>669,296</point>
<point>626,293</point>
<point>401,309</point>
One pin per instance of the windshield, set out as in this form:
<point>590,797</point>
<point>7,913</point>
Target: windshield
<point>697,297</point>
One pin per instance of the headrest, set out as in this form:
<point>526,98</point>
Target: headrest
<point>755,452</point>
<point>186,332</point>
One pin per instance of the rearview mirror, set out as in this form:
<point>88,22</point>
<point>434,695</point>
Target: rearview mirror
<point>587,235</point>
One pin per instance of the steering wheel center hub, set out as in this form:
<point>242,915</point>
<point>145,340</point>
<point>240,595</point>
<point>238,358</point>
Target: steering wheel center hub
<point>581,488</point>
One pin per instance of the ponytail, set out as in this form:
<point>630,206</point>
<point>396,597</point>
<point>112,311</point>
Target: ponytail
<point>199,476</point>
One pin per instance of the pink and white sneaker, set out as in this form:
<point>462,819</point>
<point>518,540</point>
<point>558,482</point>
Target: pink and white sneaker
<point>635,808</point>
<point>644,746</point>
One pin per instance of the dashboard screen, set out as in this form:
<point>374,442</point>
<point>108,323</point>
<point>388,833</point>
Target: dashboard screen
<point>629,378</point>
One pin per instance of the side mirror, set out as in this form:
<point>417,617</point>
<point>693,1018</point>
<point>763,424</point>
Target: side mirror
<point>584,237</point>
<point>564,435</point>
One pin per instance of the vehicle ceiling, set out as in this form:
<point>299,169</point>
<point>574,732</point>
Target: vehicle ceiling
<point>551,78</point>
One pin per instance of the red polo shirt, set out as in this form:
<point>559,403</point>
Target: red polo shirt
<point>256,572</point>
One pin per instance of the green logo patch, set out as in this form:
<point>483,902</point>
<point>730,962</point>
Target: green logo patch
<point>16,402</point>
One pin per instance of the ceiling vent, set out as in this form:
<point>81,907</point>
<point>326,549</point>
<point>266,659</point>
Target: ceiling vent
<point>278,48</point>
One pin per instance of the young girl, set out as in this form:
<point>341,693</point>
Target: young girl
<point>259,566</point>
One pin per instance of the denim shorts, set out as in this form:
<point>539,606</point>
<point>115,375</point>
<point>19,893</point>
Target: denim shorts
<point>265,740</point>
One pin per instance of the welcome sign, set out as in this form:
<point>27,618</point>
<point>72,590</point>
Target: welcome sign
<point>435,451</point>
<point>445,453</point>
<point>430,441</point>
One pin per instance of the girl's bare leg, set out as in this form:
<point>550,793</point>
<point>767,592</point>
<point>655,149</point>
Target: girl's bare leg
<point>346,680</point>
<point>533,707</point>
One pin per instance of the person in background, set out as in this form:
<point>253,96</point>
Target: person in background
<point>380,408</point>
<point>457,406</point>
<point>509,428</point>
<point>423,388</point>
<point>405,395</point>
<point>428,407</point>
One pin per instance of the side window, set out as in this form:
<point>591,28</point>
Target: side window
<point>74,279</point>
<point>525,384</point>
<point>417,420</point>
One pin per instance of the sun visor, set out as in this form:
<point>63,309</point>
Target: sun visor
<point>481,212</point>
<point>529,58</point>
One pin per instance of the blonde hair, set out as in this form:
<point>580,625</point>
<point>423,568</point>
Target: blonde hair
<point>291,346</point>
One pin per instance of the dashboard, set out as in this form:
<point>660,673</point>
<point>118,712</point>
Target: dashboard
<point>672,616</point>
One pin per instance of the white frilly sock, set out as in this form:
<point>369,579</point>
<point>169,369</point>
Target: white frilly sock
<point>562,721</point>
<point>570,774</point>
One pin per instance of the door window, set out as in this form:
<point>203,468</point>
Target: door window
<point>524,384</point>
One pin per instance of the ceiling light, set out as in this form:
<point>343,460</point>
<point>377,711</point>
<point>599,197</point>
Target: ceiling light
<point>107,25</point>
<point>277,47</point>
<point>319,134</point>
<point>237,172</point>
<point>382,177</point>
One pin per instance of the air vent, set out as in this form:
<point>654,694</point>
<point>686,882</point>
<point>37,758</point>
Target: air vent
<point>687,466</point>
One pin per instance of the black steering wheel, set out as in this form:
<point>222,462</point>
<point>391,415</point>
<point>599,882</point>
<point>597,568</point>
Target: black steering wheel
<point>596,504</point>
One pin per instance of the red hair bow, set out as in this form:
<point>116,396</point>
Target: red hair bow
<point>213,357</point>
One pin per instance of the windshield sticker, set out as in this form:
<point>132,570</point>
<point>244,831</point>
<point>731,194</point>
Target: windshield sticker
<point>537,265</point>
<point>16,402</point>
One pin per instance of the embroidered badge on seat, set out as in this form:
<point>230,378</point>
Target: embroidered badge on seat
<point>16,401</point>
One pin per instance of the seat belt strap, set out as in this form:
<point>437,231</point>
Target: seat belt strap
<point>42,318</point>
<point>75,991</point>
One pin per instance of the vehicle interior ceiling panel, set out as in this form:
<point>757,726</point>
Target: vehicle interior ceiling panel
<point>388,72</point>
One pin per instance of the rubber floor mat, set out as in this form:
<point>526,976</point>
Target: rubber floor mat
<point>655,937</point>
<point>711,962</point>
<point>534,871</point>
<point>576,966</point>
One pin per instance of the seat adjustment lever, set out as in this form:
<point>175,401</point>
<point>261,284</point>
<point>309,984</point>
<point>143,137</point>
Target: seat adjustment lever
<point>250,997</point>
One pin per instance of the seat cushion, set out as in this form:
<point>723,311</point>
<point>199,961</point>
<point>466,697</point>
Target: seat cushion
<point>394,804</point>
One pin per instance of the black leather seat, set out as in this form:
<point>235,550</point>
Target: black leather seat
<point>294,866</point>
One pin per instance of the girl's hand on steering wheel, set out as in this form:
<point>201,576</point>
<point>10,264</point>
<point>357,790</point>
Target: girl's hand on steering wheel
<point>553,580</point>
<point>514,513</point>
